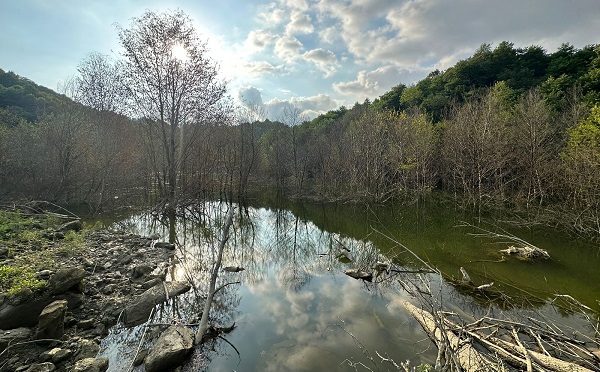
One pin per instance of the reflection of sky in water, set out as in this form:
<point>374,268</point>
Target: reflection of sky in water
<point>282,329</point>
<point>294,298</point>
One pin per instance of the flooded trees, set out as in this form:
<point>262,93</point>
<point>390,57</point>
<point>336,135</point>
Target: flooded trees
<point>173,84</point>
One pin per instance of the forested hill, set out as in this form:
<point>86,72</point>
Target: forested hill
<point>522,69</point>
<point>22,99</point>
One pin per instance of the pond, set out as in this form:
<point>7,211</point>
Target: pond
<point>294,309</point>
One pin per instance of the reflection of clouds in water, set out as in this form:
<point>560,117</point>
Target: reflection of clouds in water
<point>309,320</point>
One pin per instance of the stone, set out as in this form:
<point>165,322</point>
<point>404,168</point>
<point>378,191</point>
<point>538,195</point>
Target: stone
<point>141,270</point>
<point>171,350</point>
<point>138,311</point>
<point>139,358</point>
<point>56,355</point>
<point>41,367</point>
<point>51,322</point>
<point>65,279</point>
<point>164,245</point>
<point>4,252</point>
<point>86,324</point>
<point>44,274</point>
<point>91,365</point>
<point>14,336</point>
<point>86,349</point>
<point>75,225</point>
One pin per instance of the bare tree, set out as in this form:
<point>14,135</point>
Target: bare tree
<point>173,85</point>
<point>99,83</point>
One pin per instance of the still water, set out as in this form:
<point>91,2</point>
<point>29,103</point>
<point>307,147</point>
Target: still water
<point>294,309</point>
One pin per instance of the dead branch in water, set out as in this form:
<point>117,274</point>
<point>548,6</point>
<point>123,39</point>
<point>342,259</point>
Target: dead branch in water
<point>525,249</point>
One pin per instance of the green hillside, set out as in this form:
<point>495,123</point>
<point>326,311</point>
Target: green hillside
<point>22,99</point>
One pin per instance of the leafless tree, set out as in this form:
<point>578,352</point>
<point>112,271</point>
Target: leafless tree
<point>173,84</point>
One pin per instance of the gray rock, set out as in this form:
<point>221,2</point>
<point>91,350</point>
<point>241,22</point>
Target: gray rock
<point>91,365</point>
<point>86,349</point>
<point>66,279</point>
<point>172,348</point>
<point>86,324</point>
<point>75,225</point>
<point>27,314</point>
<point>4,252</point>
<point>139,358</point>
<point>41,367</point>
<point>141,270</point>
<point>52,321</point>
<point>13,336</point>
<point>138,311</point>
<point>164,245</point>
<point>44,274</point>
<point>56,355</point>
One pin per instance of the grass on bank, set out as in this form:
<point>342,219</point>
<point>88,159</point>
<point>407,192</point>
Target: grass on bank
<point>30,243</point>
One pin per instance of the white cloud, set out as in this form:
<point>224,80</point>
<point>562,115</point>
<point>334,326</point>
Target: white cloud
<point>297,4</point>
<point>258,40</point>
<point>288,48</point>
<point>330,34</point>
<point>249,96</point>
<point>258,68</point>
<point>371,84</point>
<point>422,33</point>
<point>310,107</point>
<point>272,15</point>
<point>325,60</point>
<point>300,23</point>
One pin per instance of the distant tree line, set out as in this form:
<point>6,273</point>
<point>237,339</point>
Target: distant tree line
<point>506,127</point>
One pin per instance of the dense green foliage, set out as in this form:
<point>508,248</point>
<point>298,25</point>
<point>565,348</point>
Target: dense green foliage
<point>21,99</point>
<point>508,126</point>
<point>521,69</point>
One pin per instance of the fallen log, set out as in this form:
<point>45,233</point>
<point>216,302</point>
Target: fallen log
<point>469,358</point>
<point>472,360</point>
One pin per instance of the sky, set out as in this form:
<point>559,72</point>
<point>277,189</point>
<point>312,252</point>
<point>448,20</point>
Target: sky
<point>316,55</point>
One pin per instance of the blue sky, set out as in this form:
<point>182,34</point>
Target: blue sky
<point>315,54</point>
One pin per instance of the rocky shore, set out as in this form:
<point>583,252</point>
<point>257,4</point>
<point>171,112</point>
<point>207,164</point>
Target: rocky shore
<point>116,277</point>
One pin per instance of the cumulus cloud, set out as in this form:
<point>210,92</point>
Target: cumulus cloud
<point>258,40</point>
<point>417,34</point>
<point>272,15</point>
<point>309,107</point>
<point>325,60</point>
<point>372,83</point>
<point>300,23</point>
<point>250,96</point>
<point>288,48</point>
<point>330,34</point>
<point>259,68</point>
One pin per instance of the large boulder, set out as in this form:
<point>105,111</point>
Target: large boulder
<point>13,336</point>
<point>52,321</point>
<point>41,367</point>
<point>65,279</point>
<point>171,350</point>
<point>85,349</point>
<point>138,311</point>
<point>91,365</point>
<point>27,314</point>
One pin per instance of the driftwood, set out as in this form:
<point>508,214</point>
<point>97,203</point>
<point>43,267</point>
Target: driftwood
<point>469,358</point>
<point>526,252</point>
<point>446,333</point>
